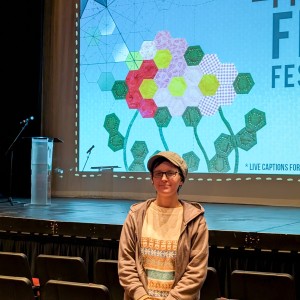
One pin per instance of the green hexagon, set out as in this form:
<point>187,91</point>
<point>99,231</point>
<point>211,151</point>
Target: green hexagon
<point>162,58</point>
<point>148,88</point>
<point>218,164</point>
<point>224,145</point>
<point>120,89</point>
<point>209,84</point>
<point>192,161</point>
<point>139,150</point>
<point>245,139</point>
<point>193,55</point>
<point>116,142</point>
<point>177,86</point>
<point>106,81</point>
<point>134,60</point>
<point>111,123</point>
<point>243,83</point>
<point>255,120</point>
<point>162,116</point>
<point>191,116</point>
<point>137,166</point>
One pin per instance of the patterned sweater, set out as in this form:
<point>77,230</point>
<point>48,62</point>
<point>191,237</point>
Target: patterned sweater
<point>160,233</point>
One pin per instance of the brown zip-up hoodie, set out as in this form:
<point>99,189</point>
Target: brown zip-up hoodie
<point>191,259</point>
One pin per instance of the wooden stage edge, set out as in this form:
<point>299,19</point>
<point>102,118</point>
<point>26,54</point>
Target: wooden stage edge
<point>15,224</point>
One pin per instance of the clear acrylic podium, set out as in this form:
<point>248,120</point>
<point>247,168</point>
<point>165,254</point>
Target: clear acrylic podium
<point>41,168</point>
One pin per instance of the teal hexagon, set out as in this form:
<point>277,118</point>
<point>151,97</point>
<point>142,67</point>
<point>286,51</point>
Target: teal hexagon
<point>177,86</point>
<point>224,145</point>
<point>218,164</point>
<point>116,142</point>
<point>106,81</point>
<point>245,139</point>
<point>191,116</point>
<point>192,161</point>
<point>255,120</point>
<point>137,166</point>
<point>120,89</point>
<point>162,116</point>
<point>111,123</point>
<point>243,83</point>
<point>139,150</point>
<point>193,55</point>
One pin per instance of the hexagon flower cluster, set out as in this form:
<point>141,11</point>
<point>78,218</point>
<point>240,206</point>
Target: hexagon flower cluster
<point>167,76</point>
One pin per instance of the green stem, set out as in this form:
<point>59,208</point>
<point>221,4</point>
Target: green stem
<point>126,139</point>
<point>236,164</point>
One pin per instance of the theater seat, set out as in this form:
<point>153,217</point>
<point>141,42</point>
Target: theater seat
<point>106,273</point>
<point>15,288</point>
<point>59,267</point>
<point>211,287</point>
<point>65,290</point>
<point>255,285</point>
<point>16,264</point>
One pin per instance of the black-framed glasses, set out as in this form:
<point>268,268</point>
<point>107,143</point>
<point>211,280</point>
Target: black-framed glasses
<point>169,174</point>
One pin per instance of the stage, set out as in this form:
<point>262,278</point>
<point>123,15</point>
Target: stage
<point>241,236</point>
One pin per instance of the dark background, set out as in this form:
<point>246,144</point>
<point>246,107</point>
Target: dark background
<point>22,38</point>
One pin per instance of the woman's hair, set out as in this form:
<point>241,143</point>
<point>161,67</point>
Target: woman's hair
<point>160,160</point>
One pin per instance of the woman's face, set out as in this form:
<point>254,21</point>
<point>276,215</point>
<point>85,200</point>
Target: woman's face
<point>166,179</point>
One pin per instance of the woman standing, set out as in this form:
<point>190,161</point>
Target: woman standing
<point>163,249</point>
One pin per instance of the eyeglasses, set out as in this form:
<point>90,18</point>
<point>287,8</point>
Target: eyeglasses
<point>169,174</point>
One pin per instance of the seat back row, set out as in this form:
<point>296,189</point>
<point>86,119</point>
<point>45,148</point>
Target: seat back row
<point>53,271</point>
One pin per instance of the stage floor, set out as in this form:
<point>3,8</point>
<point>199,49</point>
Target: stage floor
<point>220,217</point>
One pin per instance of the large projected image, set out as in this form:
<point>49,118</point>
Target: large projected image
<point>216,81</point>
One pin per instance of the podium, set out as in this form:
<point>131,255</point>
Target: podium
<point>41,169</point>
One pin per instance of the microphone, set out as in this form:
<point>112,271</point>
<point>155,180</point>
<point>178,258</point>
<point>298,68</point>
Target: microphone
<point>90,150</point>
<point>27,120</point>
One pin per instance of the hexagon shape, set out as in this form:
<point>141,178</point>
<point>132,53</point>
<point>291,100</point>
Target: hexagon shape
<point>134,79</point>
<point>133,99</point>
<point>193,55</point>
<point>148,69</point>
<point>111,123</point>
<point>255,120</point>
<point>119,89</point>
<point>177,86</point>
<point>147,108</point>
<point>120,52</point>
<point>243,83</point>
<point>106,81</point>
<point>162,117</point>
<point>218,164</point>
<point>162,58</point>
<point>134,60</point>
<point>245,139</point>
<point>192,161</point>
<point>223,145</point>
<point>148,50</point>
<point>139,150</point>
<point>208,106</point>
<point>116,142</point>
<point>191,116</point>
<point>176,107</point>
<point>148,88</point>
<point>137,166</point>
<point>209,84</point>
<point>106,25</point>
<point>162,78</point>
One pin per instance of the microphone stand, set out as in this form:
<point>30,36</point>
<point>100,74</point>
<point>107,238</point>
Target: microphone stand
<point>88,156</point>
<point>11,152</point>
